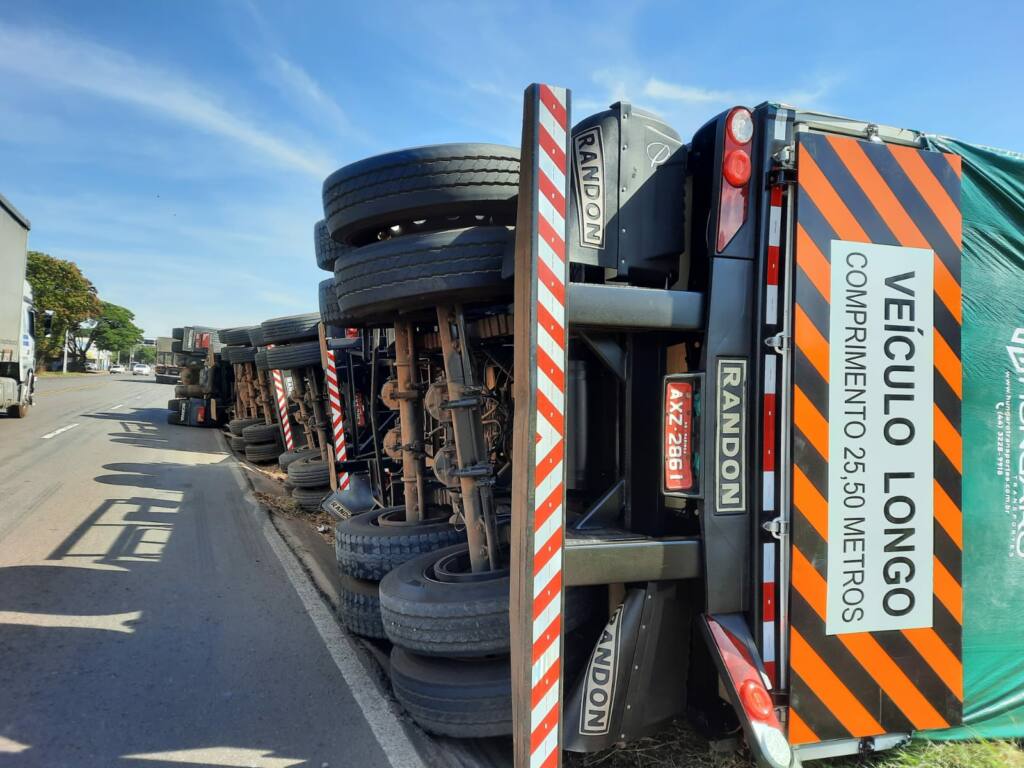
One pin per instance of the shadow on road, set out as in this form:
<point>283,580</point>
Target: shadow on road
<point>162,624</point>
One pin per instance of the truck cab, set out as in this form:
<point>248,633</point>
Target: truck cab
<point>17,315</point>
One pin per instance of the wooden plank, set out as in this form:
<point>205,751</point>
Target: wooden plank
<point>538,479</point>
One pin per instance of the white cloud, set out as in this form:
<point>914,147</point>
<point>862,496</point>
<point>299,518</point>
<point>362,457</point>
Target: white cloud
<point>659,89</point>
<point>78,64</point>
<point>297,81</point>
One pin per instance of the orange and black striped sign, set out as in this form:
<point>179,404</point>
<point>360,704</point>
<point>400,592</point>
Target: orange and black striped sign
<point>867,683</point>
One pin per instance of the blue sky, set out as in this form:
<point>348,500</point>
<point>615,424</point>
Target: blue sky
<point>175,150</point>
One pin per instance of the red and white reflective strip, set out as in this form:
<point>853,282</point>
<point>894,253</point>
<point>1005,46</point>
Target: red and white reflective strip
<point>768,611</point>
<point>282,409</point>
<point>337,416</point>
<point>770,548</point>
<point>545,707</point>
<point>771,296</point>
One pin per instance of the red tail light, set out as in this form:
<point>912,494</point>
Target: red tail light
<point>735,189</point>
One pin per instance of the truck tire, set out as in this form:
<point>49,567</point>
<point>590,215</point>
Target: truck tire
<point>285,459</point>
<point>176,346</point>
<point>255,434</point>
<point>462,698</point>
<point>179,390</point>
<point>359,609</point>
<point>235,336</point>
<point>237,443</point>
<point>329,302</point>
<point>366,549</point>
<point>261,360</point>
<point>327,251</point>
<point>194,390</point>
<point>178,333</point>
<point>290,356</point>
<point>237,425</point>
<point>440,181</point>
<point>282,330</point>
<point>256,336</point>
<point>309,498</point>
<point>465,618</point>
<point>239,355</point>
<point>377,281</point>
<point>19,411</point>
<point>262,452</point>
<point>311,472</point>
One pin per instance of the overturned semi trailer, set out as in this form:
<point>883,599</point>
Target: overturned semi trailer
<point>678,427</point>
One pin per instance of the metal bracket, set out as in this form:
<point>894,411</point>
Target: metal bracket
<point>778,528</point>
<point>779,343</point>
<point>783,169</point>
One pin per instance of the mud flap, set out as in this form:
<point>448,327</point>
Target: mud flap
<point>635,679</point>
<point>743,676</point>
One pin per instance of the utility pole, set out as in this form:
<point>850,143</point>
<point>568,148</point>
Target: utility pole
<point>66,332</point>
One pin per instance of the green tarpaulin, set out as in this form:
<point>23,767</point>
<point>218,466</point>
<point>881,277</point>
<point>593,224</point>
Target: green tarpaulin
<point>992,204</point>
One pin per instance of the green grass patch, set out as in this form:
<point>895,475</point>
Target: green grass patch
<point>678,745</point>
<point>929,754</point>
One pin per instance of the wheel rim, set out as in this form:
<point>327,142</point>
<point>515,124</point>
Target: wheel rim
<point>396,518</point>
<point>454,568</point>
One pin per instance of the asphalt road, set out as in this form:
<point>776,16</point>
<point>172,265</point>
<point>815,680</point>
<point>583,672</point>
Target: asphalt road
<point>146,616</point>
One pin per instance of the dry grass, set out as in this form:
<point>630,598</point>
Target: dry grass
<point>320,521</point>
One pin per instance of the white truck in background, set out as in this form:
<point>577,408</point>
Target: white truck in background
<point>17,315</point>
<point>167,365</point>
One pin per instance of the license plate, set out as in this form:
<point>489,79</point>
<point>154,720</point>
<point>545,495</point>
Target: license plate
<point>679,433</point>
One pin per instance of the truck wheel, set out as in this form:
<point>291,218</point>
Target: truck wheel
<point>281,330</point>
<point>376,282</point>
<point>309,498</point>
<point>433,604</point>
<point>288,457</point>
<point>19,411</point>
<point>261,360</point>
<point>329,302</point>
<point>235,336</point>
<point>291,356</point>
<point>237,425</point>
<point>371,544</point>
<point>194,390</point>
<point>327,251</point>
<point>240,354</point>
<point>262,452</point>
<point>256,434</point>
<point>462,698</point>
<point>256,336</point>
<point>179,390</point>
<point>359,610</point>
<point>310,472</point>
<point>237,443</point>
<point>445,180</point>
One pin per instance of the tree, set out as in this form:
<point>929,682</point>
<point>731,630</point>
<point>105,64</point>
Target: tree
<point>113,330</point>
<point>60,286</point>
<point>145,355</point>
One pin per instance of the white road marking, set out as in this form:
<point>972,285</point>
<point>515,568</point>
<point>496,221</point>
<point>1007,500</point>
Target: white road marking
<point>379,713</point>
<point>58,431</point>
<point>116,406</point>
<point>114,622</point>
<point>11,747</point>
<point>237,757</point>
